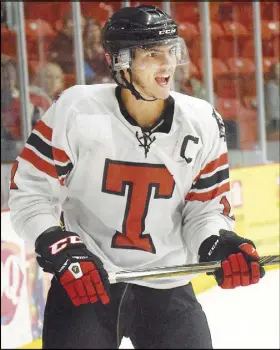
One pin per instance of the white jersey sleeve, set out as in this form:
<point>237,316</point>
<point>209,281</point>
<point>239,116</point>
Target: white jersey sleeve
<point>208,205</point>
<point>39,171</point>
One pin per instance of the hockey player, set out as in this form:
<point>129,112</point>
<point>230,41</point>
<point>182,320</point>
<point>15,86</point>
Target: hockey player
<point>141,176</point>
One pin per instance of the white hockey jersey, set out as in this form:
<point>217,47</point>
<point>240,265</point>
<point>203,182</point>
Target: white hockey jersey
<point>138,198</point>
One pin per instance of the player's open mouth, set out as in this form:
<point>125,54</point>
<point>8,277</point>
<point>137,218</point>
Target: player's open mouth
<point>162,80</point>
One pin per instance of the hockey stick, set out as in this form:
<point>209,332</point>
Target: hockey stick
<point>126,276</point>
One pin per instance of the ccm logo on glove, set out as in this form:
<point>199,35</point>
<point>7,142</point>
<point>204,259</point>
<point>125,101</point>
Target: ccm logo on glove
<point>61,244</point>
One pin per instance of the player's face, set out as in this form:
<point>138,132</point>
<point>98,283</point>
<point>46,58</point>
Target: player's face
<point>153,70</point>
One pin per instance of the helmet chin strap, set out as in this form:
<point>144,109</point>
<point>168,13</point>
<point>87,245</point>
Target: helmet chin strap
<point>129,85</point>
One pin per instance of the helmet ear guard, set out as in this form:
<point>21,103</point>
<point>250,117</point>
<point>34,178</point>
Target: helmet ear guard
<point>121,60</point>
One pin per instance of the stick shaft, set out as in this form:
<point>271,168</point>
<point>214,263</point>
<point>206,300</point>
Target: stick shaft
<point>181,270</point>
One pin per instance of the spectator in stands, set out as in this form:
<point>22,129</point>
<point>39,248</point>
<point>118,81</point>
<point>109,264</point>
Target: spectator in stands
<point>8,81</point>
<point>8,93</point>
<point>272,102</point>
<point>226,12</point>
<point>197,88</point>
<point>94,54</point>
<point>10,101</point>
<point>188,85</point>
<point>61,50</point>
<point>9,149</point>
<point>3,13</point>
<point>181,79</point>
<point>47,85</point>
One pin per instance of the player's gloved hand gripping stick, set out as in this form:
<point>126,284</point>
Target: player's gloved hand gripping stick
<point>240,266</point>
<point>224,261</point>
<point>79,271</point>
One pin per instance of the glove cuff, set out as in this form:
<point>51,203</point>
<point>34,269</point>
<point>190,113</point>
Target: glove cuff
<point>207,247</point>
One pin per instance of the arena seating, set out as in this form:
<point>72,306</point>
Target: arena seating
<point>245,119</point>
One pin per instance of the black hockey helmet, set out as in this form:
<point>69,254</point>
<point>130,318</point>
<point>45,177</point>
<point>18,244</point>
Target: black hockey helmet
<point>138,27</point>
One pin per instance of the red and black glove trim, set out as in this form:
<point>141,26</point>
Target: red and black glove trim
<point>239,258</point>
<point>79,271</point>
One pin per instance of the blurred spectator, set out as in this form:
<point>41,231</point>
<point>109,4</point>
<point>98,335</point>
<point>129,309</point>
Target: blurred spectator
<point>61,50</point>
<point>181,77</point>
<point>197,88</point>
<point>188,85</point>
<point>94,54</point>
<point>10,101</point>
<point>226,12</point>
<point>272,102</point>
<point>3,13</point>
<point>47,85</point>
<point>9,150</point>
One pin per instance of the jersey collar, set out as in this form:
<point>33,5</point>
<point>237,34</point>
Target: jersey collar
<point>163,124</point>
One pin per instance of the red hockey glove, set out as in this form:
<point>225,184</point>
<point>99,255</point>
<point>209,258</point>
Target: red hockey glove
<point>239,258</point>
<point>79,271</point>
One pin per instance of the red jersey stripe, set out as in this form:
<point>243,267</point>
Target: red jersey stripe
<point>207,196</point>
<point>60,155</point>
<point>43,129</point>
<point>38,162</point>
<point>211,166</point>
<point>46,131</point>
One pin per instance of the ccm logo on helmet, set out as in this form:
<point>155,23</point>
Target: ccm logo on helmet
<point>167,31</point>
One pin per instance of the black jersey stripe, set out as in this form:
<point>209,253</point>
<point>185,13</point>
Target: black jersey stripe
<point>213,180</point>
<point>40,145</point>
<point>63,170</point>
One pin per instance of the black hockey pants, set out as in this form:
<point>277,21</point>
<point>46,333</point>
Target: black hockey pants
<point>151,318</point>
